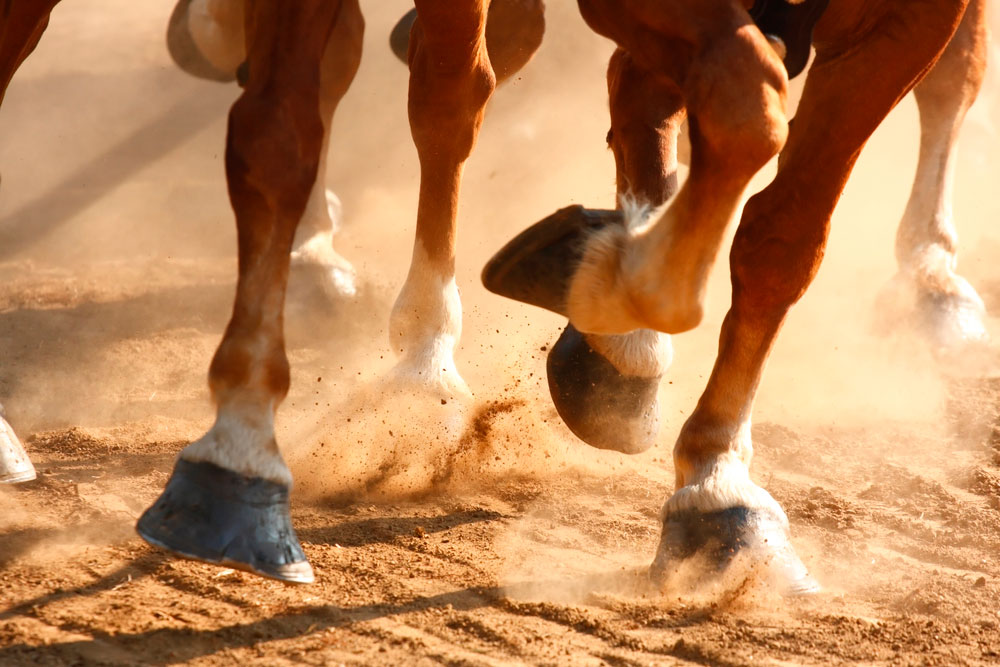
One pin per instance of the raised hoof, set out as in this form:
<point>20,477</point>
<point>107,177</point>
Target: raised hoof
<point>214,515</point>
<point>600,405</point>
<point>15,466</point>
<point>399,38</point>
<point>536,267</point>
<point>185,53</point>
<point>716,538</point>
<point>792,22</point>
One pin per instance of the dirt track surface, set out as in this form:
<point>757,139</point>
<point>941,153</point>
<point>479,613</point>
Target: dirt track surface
<point>460,534</point>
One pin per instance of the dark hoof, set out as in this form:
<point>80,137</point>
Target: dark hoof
<point>399,38</point>
<point>185,52</point>
<point>536,267</point>
<point>602,407</point>
<point>717,538</point>
<point>793,24</point>
<point>211,514</point>
<point>15,466</point>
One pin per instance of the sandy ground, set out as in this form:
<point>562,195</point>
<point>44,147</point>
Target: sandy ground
<point>464,535</point>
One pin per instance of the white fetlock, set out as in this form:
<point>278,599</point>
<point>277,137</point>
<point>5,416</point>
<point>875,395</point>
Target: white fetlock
<point>424,330</point>
<point>619,287</point>
<point>313,246</point>
<point>15,466</point>
<point>242,440</point>
<point>723,484</point>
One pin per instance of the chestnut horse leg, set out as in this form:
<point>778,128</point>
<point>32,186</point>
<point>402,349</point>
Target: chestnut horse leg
<point>451,80</point>
<point>21,26</point>
<point>605,386</point>
<point>313,249</point>
<point>227,499</point>
<point>949,311</point>
<point>206,39</point>
<point>717,509</point>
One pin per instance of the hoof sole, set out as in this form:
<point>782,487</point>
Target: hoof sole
<point>717,538</point>
<point>600,405</point>
<point>185,52</point>
<point>537,265</point>
<point>214,515</point>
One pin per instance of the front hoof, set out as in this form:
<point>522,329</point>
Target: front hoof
<point>399,38</point>
<point>716,538</point>
<point>537,266</point>
<point>15,466</point>
<point>602,406</point>
<point>214,515</point>
<point>185,52</point>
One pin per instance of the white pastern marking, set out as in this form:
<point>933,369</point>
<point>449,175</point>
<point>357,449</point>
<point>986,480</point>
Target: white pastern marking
<point>426,325</point>
<point>723,483</point>
<point>242,440</point>
<point>640,353</point>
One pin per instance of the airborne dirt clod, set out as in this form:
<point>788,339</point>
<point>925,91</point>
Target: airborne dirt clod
<point>464,532</point>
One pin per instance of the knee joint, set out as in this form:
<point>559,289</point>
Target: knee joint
<point>737,94</point>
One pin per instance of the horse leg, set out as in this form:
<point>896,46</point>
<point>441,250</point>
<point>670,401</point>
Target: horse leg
<point>21,26</point>
<point>717,510</point>
<point>206,38</point>
<point>605,386</point>
<point>451,80</point>
<point>613,278</point>
<point>949,311</point>
<point>227,499</point>
<point>313,249</point>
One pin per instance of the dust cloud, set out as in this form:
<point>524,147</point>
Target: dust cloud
<point>116,233</point>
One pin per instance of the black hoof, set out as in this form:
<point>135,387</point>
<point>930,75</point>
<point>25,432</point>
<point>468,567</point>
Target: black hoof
<point>793,24</point>
<point>602,407</point>
<point>185,53</point>
<point>536,267</point>
<point>717,537</point>
<point>211,514</point>
<point>399,38</point>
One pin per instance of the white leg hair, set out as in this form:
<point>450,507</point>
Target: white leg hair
<point>242,440</point>
<point>722,482</point>
<point>426,325</point>
<point>652,272</point>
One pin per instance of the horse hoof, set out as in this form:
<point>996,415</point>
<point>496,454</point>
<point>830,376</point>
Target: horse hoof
<point>537,266</point>
<point>399,38</point>
<point>717,537</point>
<point>214,515</point>
<point>185,53</point>
<point>601,406</point>
<point>953,323</point>
<point>15,466</point>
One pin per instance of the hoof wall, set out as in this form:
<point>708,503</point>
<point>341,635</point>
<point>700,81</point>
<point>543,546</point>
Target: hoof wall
<point>399,38</point>
<point>184,51</point>
<point>15,466</point>
<point>600,405</point>
<point>718,537</point>
<point>214,515</point>
<point>536,267</point>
